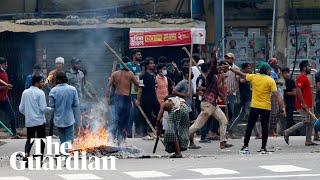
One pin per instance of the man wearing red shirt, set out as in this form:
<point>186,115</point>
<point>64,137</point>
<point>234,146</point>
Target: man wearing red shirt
<point>4,99</point>
<point>303,103</point>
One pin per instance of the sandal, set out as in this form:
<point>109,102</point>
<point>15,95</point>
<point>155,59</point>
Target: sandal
<point>176,156</point>
<point>311,144</point>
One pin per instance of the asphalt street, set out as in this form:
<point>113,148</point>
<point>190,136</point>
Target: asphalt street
<point>294,161</point>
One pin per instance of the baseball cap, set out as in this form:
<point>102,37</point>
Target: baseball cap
<point>201,61</point>
<point>36,66</point>
<point>230,55</point>
<point>75,61</point>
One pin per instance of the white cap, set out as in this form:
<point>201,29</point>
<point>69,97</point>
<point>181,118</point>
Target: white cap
<point>201,61</point>
<point>60,60</point>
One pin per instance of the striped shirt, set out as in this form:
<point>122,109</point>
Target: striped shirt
<point>231,80</point>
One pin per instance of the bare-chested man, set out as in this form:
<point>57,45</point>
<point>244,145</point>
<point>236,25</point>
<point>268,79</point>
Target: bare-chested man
<point>120,102</point>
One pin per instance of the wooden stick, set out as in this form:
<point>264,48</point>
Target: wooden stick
<point>190,71</point>
<point>312,115</point>
<point>193,61</point>
<point>117,56</point>
<point>148,121</point>
<point>254,52</point>
<point>225,99</point>
<point>4,83</point>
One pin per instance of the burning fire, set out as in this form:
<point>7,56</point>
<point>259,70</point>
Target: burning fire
<point>89,140</point>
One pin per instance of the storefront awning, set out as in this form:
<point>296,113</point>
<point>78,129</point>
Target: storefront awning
<point>158,37</point>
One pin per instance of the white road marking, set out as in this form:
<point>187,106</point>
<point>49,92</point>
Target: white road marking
<point>214,171</point>
<point>256,177</point>
<point>284,168</point>
<point>146,174</point>
<point>79,176</point>
<point>14,178</point>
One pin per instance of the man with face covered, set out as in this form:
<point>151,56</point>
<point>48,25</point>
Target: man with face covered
<point>303,104</point>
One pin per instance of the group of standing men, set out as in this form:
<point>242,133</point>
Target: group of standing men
<point>66,91</point>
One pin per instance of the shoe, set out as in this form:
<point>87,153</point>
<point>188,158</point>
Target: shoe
<point>224,145</point>
<point>176,156</point>
<point>152,135</point>
<point>286,137</point>
<point>311,144</point>
<point>258,137</point>
<point>147,138</point>
<point>194,147</point>
<point>263,151</point>
<point>244,150</point>
<point>204,141</point>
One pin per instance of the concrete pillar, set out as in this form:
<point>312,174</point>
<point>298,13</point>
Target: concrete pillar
<point>281,32</point>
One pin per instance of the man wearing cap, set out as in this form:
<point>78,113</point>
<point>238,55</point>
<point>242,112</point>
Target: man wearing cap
<point>232,83</point>
<point>303,104</point>
<point>196,74</point>
<point>75,76</point>
<point>52,82</point>
<point>262,88</point>
<point>76,79</point>
<point>4,98</point>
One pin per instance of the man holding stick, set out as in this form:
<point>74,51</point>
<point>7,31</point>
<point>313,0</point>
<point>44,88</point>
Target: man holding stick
<point>209,107</point>
<point>262,87</point>
<point>4,98</point>
<point>147,95</point>
<point>121,102</point>
<point>303,104</point>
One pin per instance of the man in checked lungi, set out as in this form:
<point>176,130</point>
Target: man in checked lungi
<point>176,135</point>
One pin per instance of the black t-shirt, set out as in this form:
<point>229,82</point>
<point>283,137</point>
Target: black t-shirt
<point>170,84</point>
<point>148,84</point>
<point>245,92</point>
<point>290,100</point>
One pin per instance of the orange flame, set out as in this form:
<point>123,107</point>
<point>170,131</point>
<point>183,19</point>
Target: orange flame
<point>89,140</point>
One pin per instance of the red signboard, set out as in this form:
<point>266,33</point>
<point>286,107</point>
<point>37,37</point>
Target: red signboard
<point>159,38</point>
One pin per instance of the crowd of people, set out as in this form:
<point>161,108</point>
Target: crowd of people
<point>198,98</point>
<point>206,105</point>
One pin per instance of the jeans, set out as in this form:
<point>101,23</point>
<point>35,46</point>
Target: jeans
<point>31,133</point>
<point>120,115</point>
<point>66,134</point>
<point>289,118</point>
<point>245,110</point>
<point>133,114</point>
<point>253,117</point>
<point>51,124</point>
<point>231,103</point>
<point>7,108</point>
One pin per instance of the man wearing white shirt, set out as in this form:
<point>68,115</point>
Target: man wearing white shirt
<point>33,106</point>
<point>232,83</point>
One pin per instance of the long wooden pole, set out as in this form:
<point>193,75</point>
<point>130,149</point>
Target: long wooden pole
<point>190,71</point>
<point>117,56</point>
<point>193,61</point>
<point>148,122</point>
<point>254,51</point>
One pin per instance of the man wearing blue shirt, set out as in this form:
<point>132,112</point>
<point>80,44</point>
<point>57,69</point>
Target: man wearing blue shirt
<point>33,106</point>
<point>64,99</point>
